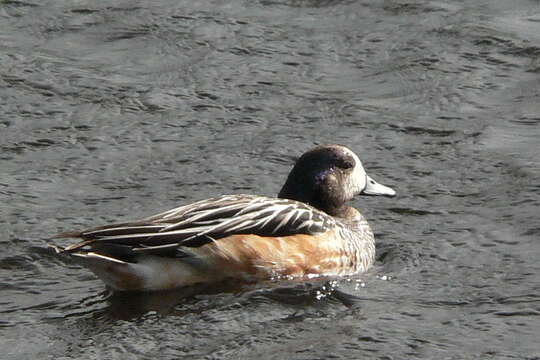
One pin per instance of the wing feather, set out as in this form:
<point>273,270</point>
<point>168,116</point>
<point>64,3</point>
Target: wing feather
<point>209,220</point>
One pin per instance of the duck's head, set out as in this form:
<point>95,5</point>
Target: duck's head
<point>328,176</point>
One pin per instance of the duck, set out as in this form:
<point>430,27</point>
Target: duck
<point>307,231</point>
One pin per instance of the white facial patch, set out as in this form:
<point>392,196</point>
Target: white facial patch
<point>360,182</point>
<point>356,182</point>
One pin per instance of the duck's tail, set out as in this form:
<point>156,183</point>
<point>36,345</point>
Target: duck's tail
<point>139,273</point>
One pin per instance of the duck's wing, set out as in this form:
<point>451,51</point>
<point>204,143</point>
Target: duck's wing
<point>205,221</point>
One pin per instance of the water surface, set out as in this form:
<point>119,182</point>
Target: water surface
<point>112,111</point>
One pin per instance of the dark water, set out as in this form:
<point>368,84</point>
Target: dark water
<point>115,110</point>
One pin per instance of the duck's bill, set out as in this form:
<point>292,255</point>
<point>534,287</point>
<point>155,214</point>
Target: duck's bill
<point>374,188</point>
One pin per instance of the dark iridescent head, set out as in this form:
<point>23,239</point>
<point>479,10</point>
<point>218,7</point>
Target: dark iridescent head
<point>328,176</point>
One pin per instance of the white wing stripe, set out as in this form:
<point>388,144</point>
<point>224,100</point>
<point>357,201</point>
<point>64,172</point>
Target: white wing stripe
<point>202,215</point>
<point>285,220</point>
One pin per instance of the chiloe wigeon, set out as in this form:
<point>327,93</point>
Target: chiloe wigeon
<point>308,230</point>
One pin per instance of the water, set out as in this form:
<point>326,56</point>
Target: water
<point>112,111</point>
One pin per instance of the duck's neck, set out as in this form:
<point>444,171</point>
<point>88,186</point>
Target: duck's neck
<point>298,193</point>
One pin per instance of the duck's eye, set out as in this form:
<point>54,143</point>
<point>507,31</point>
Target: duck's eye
<point>347,164</point>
